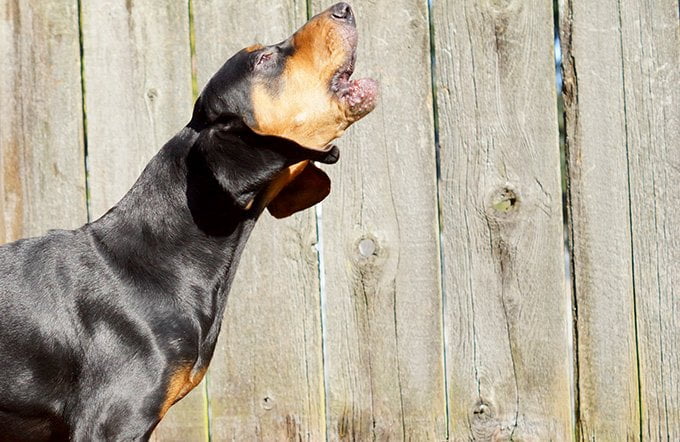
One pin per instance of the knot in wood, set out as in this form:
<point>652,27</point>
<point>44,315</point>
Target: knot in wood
<point>267,403</point>
<point>482,411</point>
<point>505,200</point>
<point>367,247</point>
<point>152,94</point>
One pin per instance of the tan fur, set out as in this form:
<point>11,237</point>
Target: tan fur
<point>181,383</point>
<point>304,109</point>
<point>253,48</point>
<point>285,177</point>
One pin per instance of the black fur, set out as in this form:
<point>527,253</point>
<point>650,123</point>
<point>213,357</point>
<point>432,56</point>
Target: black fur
<point>94,321</point>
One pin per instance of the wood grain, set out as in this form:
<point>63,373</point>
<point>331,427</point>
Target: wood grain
<point>507,308</point>
<point>137,69</point>
<point>382,299</point>
<point>266,380</point>
<point>650,75</point>
<point>137,89</point>
<point>624,146</point>
<point>42,166</point>
<point>599,223</point>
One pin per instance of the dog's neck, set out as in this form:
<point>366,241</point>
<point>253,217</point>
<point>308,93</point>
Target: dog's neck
<point>176,234</point>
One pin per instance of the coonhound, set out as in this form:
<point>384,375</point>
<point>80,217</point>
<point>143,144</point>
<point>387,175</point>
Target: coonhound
<point>103,328</point>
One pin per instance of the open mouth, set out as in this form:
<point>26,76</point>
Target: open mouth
<point>359,96</point>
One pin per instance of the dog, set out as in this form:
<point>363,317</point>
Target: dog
<point>103,328</point>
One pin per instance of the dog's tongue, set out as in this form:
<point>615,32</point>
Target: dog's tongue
<point>362,96</point>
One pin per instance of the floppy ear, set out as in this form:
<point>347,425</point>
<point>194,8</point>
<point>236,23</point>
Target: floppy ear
<point>309,187</point>
<point>244,163</point>
<point>240,169</point>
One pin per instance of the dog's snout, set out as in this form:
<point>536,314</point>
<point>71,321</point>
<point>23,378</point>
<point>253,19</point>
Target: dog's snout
<point>342,12</point>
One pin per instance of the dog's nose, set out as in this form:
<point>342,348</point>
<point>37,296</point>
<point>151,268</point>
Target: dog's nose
<point>342,12</point>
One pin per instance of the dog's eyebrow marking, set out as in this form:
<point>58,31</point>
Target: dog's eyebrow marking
<point>253,48</point>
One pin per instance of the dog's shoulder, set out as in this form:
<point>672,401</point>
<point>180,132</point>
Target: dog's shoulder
<point>33,268</point>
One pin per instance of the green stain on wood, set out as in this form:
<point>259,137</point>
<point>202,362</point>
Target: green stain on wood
<point>192,50</point>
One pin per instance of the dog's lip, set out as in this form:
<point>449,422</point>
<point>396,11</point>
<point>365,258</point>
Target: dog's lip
<point>328,154</point>
<point>342,74</point>
<point>359,97</point>
<point>332,154</point>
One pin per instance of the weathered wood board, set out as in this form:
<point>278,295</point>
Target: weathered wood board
<point>624,148</point>
<point>138,94</point>
<point>42,166</point>
<point>266,380</point>
<point>382,299</point>
<point>507,315</point>
<point>137,73</point>
<point>599,223</point>
<point>650,39</point>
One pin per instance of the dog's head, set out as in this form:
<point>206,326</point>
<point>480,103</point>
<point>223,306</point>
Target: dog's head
<point>297,89</point>
<point>294,93</point>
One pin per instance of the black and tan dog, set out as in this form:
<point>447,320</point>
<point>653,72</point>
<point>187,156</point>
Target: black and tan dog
<point>103,328</point>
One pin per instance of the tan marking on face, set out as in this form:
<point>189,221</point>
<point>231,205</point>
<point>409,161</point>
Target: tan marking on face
<point>254,47</point>
<point>181,383</point>
<point>282,180</point>
<point>304,109</point>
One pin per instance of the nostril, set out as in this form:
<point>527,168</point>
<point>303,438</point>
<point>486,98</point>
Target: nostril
<point>341,11</point>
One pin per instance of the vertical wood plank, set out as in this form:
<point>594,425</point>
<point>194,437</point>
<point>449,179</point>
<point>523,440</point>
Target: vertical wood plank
<point>137,69</point>
<point>623,99</point>
<point>650,51</point>
<point>265,381</point>
<point>599,222</point>
<point>507,308</point>
<point>137,89</point>
<point>42,167</point>
<point>382,300</point>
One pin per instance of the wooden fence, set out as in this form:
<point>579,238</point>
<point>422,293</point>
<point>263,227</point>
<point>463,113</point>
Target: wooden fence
<point>427,298</point>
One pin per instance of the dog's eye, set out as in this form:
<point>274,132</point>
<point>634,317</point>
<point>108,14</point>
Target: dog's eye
<point>264,59</point>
